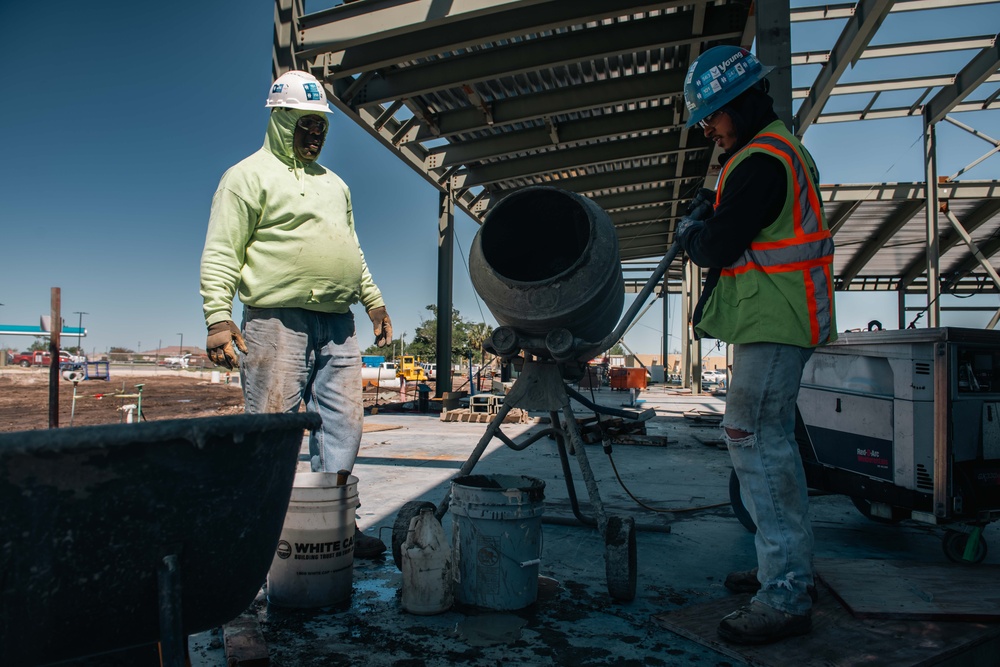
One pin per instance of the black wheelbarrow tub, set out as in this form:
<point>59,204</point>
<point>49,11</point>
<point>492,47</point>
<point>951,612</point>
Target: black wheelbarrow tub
<point>88,515</point>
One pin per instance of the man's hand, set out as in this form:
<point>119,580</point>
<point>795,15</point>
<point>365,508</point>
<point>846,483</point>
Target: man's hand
<point>703,205</point>
<point>221,337</point>
<point>381,325</point>
<point>685,228</point>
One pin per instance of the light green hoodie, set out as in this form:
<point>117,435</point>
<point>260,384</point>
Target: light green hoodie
<point>282,233</point>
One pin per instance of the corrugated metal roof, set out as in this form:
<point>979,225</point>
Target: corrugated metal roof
<point>487,96</point>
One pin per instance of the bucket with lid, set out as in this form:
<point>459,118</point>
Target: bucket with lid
<point>496,539</point>
<point>313,564</point>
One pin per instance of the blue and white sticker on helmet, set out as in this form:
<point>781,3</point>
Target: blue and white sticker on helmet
<point>312,92</point>
<point>277,88</point>
<point>725,75</point>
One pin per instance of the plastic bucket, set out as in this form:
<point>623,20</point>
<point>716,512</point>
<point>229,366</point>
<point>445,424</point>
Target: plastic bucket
<point>313,563</point>
<point>496,539</point>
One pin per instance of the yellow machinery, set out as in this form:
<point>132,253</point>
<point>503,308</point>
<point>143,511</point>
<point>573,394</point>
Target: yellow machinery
<point>409,369</point>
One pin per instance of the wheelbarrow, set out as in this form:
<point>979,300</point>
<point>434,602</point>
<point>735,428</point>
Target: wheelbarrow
<point>120,536</point>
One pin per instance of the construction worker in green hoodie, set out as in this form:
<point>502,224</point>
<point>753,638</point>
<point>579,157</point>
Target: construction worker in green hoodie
<point>769,293</point>
<point>281,235</point>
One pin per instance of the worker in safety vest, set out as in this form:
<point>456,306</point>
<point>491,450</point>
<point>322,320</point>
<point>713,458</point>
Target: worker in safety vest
<point>769,293</point>
<point>281,234</point>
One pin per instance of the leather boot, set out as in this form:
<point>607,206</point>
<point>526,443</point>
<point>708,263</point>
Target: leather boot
<point>366,546</point>
<point>757,623</point>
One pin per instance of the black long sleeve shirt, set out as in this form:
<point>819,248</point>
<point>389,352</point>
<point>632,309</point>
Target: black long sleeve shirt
<point>752,200</point>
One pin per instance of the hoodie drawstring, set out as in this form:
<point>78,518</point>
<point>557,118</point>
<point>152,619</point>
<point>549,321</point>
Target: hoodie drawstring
<point>300,171</point>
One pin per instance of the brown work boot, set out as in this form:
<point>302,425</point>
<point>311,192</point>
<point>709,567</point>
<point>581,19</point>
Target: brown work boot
<point>745,581</point>
<point>757,623</point>
<point>366,546</point>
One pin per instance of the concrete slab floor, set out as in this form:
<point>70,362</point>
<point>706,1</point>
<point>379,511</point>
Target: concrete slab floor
<point>686,544</point>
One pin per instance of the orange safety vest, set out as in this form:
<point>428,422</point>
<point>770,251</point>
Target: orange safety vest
<point>781,289</point>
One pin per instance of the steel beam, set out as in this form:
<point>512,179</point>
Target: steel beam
<point>599,94</point>
<point>895,222</point>
<point>579,157</point>
<point>552,51</point>
<point>400,32</point>
<point>973,221</point>
<point>860,28</point>
<point>978,70</point>
<point>570,132</point>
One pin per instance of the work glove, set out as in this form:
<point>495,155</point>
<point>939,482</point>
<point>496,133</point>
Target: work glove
<point>703,205</point>
<point>382,326</point>
<point>685,228</point>
<point>221,337</point>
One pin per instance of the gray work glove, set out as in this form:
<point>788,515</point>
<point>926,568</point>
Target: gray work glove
<point>381,325</point>
<point>221,337</point>
<point>703,205</point>
<point>685,228</point>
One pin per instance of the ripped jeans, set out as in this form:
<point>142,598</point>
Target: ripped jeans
<point>297,355</point>
<point>759,429</point>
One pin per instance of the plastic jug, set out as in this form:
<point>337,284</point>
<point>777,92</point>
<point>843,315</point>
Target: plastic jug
<point>426,564</point>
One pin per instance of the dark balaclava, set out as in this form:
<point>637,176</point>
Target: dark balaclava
<point>750,112</point>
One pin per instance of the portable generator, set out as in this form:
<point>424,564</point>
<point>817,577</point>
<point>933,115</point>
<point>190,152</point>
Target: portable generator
<point>907,423</point>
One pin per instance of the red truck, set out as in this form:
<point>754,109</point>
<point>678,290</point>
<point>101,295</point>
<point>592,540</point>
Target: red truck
<point>40,358</point>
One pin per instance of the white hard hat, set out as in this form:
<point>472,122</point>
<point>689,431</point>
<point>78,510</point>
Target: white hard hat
<point>298,90</point>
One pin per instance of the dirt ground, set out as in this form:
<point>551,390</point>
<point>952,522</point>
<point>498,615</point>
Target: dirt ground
<point>24,398</point>
<point>166,394</point>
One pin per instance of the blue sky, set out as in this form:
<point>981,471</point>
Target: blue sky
<point>121,117</point>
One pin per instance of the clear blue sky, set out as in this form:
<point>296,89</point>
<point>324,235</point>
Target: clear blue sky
<point>120,118</point>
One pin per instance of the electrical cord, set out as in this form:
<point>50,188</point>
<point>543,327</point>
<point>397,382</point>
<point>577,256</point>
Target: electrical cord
<point>678,510</point>
<point>607,450</point>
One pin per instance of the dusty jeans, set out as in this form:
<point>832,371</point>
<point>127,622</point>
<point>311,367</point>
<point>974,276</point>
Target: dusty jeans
<point>297,355</point>
<point>759,429</point>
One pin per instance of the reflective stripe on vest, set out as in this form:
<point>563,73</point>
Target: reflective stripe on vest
<point>809,250</point>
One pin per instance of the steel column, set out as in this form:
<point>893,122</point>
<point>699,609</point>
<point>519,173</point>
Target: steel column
<point>930,170</point>
<point>446,260</point>
<point>774,47</point>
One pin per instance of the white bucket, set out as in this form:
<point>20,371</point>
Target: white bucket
<point>216,377</point>
<point>313,564</point>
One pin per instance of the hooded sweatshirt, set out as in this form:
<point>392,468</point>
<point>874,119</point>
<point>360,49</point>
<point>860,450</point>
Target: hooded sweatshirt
<point>281,233</point>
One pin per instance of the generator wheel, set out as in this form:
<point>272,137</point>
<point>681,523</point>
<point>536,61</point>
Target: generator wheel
<point>736,500</point>
<point>402,525</point>
<point>620,558</point>
<point>865,507</point>
<point>954,543</point>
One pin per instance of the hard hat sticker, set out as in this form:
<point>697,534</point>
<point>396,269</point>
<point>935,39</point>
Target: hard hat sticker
<point>312,91</point>
<point>277,88</point>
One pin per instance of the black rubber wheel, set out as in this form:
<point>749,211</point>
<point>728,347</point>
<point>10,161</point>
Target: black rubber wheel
<point>402,525</point>
<point>736,500</point>
<point>620,558</point>
<point>954,544</point>
<point>865,507</point>
<point>25,364</point>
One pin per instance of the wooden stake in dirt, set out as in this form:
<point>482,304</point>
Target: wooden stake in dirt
<point>54,328</point>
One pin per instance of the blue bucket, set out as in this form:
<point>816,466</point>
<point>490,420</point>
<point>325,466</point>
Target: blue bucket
<point>496,539</point>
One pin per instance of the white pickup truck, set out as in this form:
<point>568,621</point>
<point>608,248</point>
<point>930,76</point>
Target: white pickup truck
<point>176,362</point>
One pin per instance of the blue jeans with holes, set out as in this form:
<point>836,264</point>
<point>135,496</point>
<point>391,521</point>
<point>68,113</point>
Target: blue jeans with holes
<point>297,355</point>
<point>759,429</point>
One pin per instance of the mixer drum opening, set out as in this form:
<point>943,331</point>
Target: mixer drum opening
<point>547,259</point>
<point>543,234</point>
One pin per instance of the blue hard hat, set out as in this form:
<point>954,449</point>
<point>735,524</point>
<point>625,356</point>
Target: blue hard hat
<point>717,77</point>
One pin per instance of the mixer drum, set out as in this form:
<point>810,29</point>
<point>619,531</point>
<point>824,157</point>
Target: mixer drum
<point>547,258</point>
